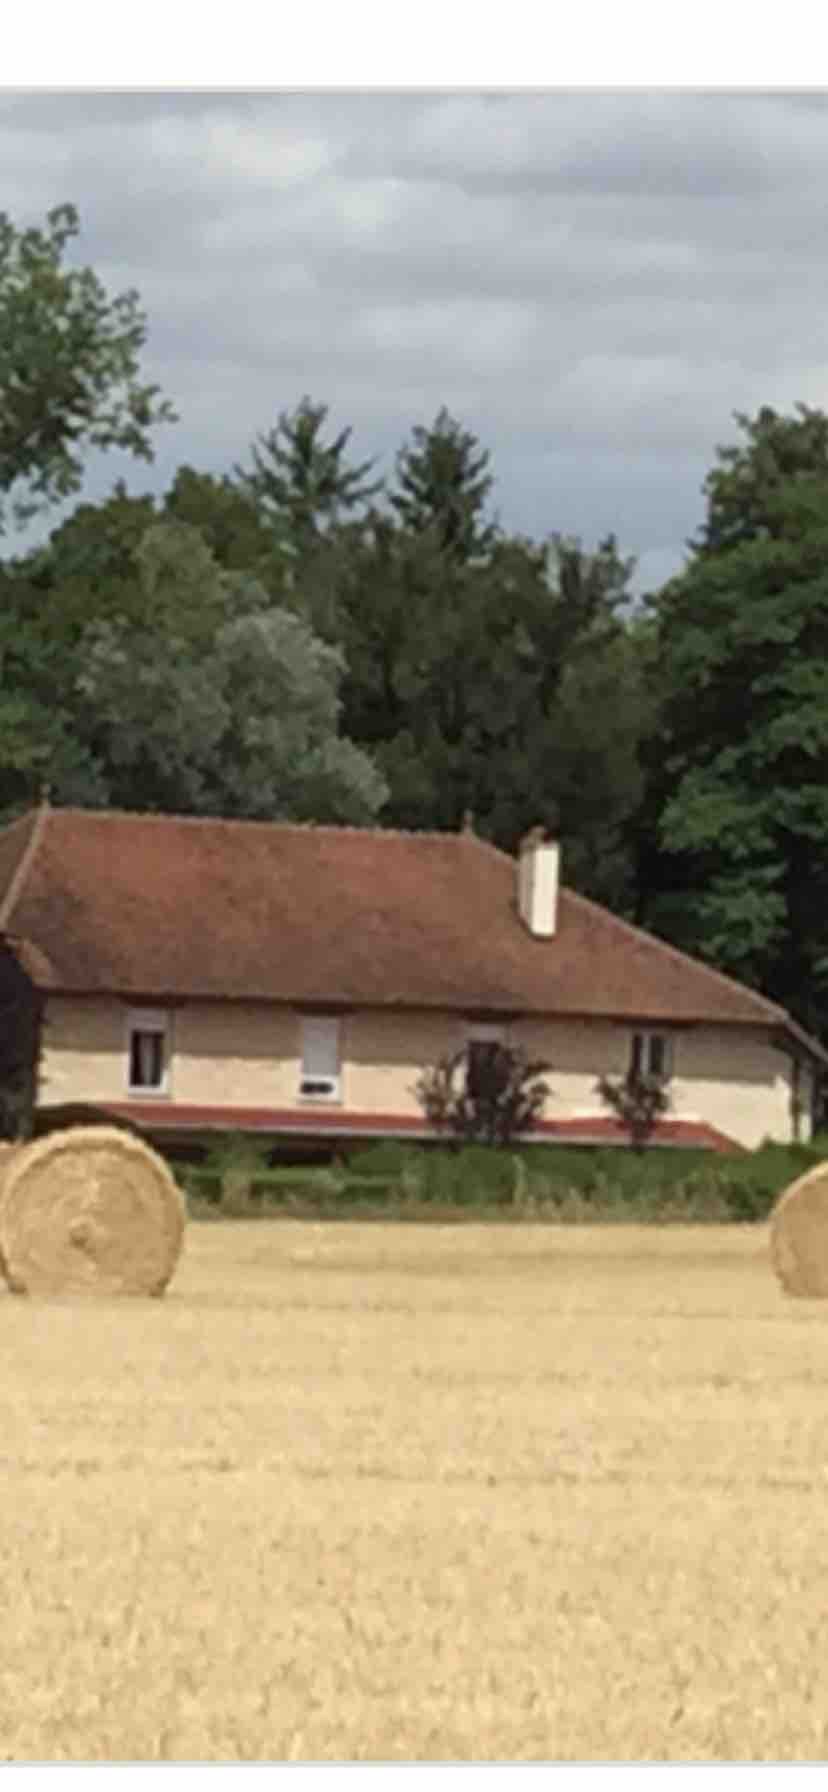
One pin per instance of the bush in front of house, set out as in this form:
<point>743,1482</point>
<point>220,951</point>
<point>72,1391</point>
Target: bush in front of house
<point>477,1175</point>
<point>488,1093</point>
<point>638,1100</point>
<point>559,1183</point>
<point>666,1184</point>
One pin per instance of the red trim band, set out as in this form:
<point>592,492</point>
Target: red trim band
<point>332,1122</point>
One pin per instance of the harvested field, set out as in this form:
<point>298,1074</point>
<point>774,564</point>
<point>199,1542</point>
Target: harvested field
<point>372,1492</point>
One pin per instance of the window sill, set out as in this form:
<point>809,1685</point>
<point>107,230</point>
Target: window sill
<point>149,1094</point>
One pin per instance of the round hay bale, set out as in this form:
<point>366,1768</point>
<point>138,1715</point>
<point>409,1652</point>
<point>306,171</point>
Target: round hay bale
<point>89,1211</point>
<point>799,1236</point>
<point>8,1151</point>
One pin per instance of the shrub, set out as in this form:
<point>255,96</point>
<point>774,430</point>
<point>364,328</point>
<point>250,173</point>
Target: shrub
<point>638,1100</point>
<point>475,1175</point>
<point>388,1158</point>
<point>487,1093</point>
<point>567,1184</point>
<point>235,1158</point>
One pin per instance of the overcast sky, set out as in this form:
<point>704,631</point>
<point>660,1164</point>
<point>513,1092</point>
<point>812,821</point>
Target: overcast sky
<point>592,282</point>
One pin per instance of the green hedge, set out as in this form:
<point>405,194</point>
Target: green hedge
<point>545,1181</point>
<point>664,1183</point>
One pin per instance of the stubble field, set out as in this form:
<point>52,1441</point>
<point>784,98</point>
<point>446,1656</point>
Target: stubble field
<point>375,1492</point>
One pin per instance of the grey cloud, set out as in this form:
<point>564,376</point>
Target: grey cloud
<point>619,143</point>
<point>594,282</point>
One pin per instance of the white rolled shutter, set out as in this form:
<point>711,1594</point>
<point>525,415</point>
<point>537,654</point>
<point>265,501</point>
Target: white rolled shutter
<point>320,1055</point>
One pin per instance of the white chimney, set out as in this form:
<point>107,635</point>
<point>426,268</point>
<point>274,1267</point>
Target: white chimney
<point>538,868</point>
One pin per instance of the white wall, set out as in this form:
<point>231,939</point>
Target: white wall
<point>248,1055</point>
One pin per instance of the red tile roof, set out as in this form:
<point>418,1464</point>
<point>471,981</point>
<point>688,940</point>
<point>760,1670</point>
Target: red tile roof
<point>171,907</point>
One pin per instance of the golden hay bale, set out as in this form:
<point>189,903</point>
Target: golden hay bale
<point>91,1210</point>
<point>8,1150</point>
<point>799,1235</point>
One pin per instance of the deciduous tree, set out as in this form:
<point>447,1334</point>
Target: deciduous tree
<point>69,367</point>
<point>742,773</point>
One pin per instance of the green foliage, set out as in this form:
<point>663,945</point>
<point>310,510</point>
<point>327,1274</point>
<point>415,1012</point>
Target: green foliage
<point>39,742</point>
<point>444,667</point>
<point>665,1183</point>
<point>476,1176</point>
<point>742,488</point>
<point>281,752</point>
<point>443,482</point>
<point>508,687</point>
<point>230,523</point>
<point>388,1159</point>
<point>236,1151</point>
<point>301,484</point>
<point>741,771</point>
<point>69,358</point>
<point>535,1183</point>
<point>489,1093</point>
<point>197,695</point>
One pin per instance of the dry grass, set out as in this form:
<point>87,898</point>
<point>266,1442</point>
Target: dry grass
<point>375,1492</point>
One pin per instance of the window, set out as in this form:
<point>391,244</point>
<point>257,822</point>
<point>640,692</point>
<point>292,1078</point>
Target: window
<point>320,1058</point>
<point>651,1054</point>
<point>482,1050</point>
<point>482,1057</point>
<point>147,1051</point>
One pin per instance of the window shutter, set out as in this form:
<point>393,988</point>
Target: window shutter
<point>320,1055</point>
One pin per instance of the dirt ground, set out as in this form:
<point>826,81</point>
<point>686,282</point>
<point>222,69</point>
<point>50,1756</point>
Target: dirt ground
<point>376,1492</point>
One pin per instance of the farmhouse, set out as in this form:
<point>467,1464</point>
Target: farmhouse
<point>196,975</point>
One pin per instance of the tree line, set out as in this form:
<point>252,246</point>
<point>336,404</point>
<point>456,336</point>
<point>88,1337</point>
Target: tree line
<point>297,638</point>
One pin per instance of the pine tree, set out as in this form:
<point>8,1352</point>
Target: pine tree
<point>301,484</point>
<point>443,482</point>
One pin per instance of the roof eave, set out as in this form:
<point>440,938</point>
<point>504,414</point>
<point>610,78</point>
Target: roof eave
<point>771,1018</point>
<point>792,1031</point>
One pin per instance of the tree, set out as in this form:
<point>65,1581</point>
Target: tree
<point>742,871</point>
<point>39,740</point>
<point>300,484</point>
<point>509,687</point>
<point>488,1093</point>
<point>282,754</point>
<point>90,568</point>
<point>443,481</point>
<point>69,360</point>
<point>741,489</point>
<point>91,554</point>
<point>203,707</point>
<point>230,523</point>
<point>638,1100</point>
<point>588,756</point>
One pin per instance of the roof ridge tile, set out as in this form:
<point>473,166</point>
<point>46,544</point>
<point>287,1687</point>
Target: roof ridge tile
<point>245,821</point>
